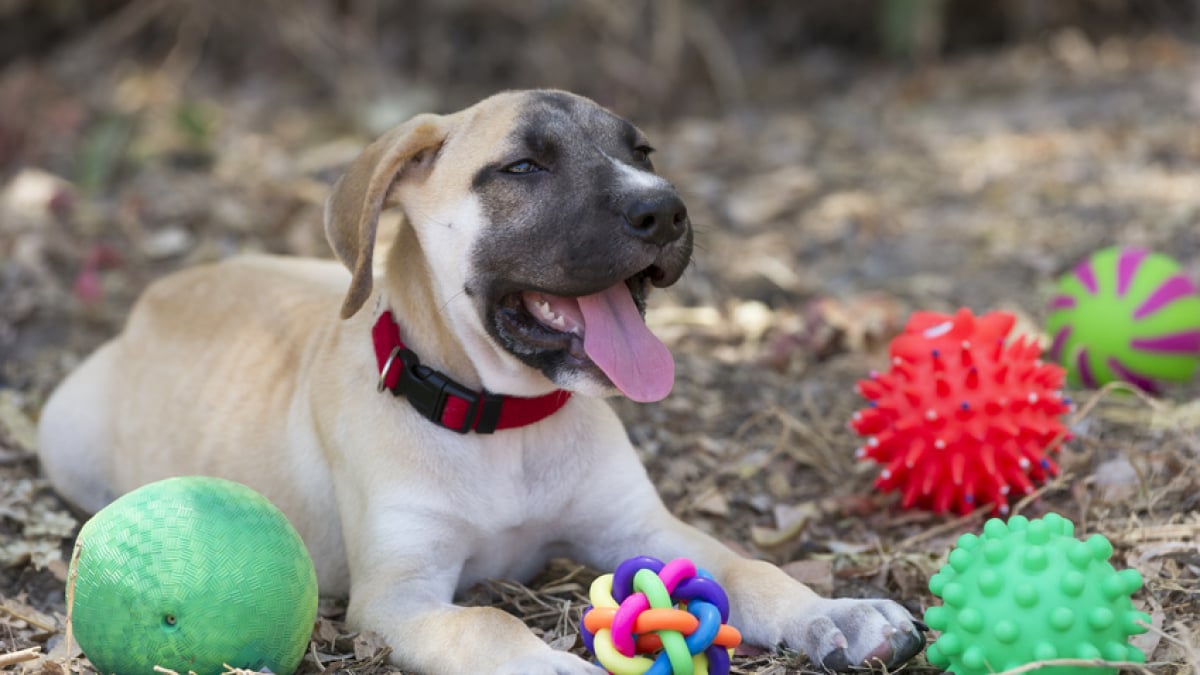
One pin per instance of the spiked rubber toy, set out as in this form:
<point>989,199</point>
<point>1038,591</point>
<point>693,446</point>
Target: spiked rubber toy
<point>964,417</point>
<point>1027,591</point>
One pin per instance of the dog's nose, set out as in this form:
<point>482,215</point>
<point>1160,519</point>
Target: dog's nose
<point>658,219</point>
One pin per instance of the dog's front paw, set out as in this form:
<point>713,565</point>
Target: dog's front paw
<point>549,662</point>
<point>840,634</point>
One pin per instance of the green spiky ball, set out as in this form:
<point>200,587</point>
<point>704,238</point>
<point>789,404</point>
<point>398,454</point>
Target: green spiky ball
<point>191,574</point>
<point>1030,591</point>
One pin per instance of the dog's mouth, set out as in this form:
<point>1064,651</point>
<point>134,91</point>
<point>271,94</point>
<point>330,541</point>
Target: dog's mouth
<point>605,329</point>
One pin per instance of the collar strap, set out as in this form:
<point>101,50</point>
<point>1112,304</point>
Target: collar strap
<point>443,400</point>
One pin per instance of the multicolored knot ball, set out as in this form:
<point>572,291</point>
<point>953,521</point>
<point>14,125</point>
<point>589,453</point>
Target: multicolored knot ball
<point>1029,591</point>
<point>1126,314</point>
<point>673,610</point>
<point>963,418</point>
<point>191,574</point>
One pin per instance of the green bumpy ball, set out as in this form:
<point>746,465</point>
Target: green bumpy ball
<point>1030,591</point>
<point>192,574</point>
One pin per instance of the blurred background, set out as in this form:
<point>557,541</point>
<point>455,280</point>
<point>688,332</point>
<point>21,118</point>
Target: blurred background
<point>844,161</point>
<point>138,135</point>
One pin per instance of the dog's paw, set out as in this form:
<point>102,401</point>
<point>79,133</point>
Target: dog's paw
<point>840,634</point>
<point>549,662</point>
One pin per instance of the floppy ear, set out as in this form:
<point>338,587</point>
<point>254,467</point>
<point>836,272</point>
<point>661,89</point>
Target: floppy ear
<point>352,210</point>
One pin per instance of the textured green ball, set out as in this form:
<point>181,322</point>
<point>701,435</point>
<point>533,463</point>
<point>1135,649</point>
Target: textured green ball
<point>1126,314</point>
<point>1030,591</point>
<point>191,574</point>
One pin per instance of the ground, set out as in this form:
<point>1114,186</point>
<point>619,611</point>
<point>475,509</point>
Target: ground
<point>821,223</point>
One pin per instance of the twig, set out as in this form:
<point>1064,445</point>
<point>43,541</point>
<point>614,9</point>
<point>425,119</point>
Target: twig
<point>13,658</point>
<point>40,625</point>
<point>1059,481</point>
<point>1190,650</point>
<point>949,526</point>
<point>71,597</point>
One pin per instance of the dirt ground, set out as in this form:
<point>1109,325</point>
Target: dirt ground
<point>821,223</point>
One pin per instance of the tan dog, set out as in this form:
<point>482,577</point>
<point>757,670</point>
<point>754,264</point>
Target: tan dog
<point>535,225</point>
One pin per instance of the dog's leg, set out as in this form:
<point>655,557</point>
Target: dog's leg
<point>74,432</point>
<point>438,637</point>
<point>769,607</point>
<point>405,567</point>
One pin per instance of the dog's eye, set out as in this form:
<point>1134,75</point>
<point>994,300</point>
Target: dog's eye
<point>523,166</point>
<point>642,153</point>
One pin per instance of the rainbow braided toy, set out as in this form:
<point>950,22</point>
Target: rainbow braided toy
<point>672,609</point>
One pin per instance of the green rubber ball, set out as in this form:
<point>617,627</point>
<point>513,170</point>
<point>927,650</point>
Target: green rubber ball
<point>1126,314</point>
<point>191,574</point>
<point>1027,591</point>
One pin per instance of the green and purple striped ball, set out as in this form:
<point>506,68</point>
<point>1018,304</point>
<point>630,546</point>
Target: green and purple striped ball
<point>1126,314</point>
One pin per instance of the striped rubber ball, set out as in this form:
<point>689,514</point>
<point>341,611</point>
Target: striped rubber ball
<point>1126,314</point>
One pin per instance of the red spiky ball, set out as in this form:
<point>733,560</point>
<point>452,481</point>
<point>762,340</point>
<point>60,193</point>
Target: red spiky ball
<point>963,418</point>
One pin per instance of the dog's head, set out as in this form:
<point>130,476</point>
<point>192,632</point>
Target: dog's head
<point>543,225</point>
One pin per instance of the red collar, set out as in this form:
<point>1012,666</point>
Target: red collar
<point>446,402</point>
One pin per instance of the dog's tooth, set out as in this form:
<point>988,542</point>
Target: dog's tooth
<point>558,322</point>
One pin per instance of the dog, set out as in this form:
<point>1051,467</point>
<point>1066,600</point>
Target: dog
<point>450,425</point>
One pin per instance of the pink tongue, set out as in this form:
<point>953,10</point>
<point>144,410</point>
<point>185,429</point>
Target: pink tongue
<point>616,339</point>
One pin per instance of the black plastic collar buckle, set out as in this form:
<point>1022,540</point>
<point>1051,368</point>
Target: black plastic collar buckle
<point>428,390</point>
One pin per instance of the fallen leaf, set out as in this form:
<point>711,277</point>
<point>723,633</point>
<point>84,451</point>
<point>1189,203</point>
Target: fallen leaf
<point>1148,641</point>
<point>15,425</point>
<point>368,645</point>
<point>34,198</point>
<point>791,516</point>
<point>713,503</point>
<point>17,610</point>
<point>169,242</point>
<point>1116,480</point>
<point>325,631</point>
<point>790,523</point>
<point>563,643</point>
<point>817,574</point>
<point>36,552</point>
<point>51,523</point>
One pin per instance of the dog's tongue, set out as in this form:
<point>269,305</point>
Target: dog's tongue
<point>617,340</point>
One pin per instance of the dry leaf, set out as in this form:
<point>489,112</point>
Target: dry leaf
<point>816,573</point>
<point>563,643</point>
<point>51,666</point>
<point>1148,641</point>
<point>713,503</point>
<point>788,515</point>
<point>50,523</point>
<point>15,426</point>
<point>791,527</point>
<point>19,609</point>
<point>325,631</point>
<point>368,645</point>
<point>37,552</point>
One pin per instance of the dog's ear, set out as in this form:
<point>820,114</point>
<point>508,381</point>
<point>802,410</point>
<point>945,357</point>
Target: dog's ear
<point>352,210</point>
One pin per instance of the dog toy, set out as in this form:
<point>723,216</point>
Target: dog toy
<point>1030,591</point>
<point>672,609</point>
<point>1126,314</point>
<point>962,418</point>
<point>191,574</point>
